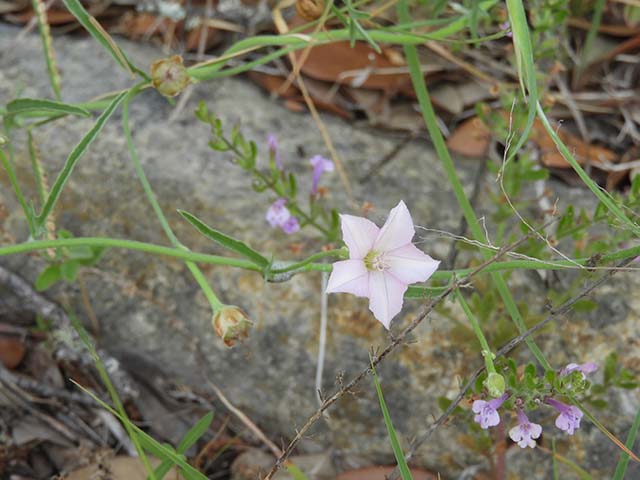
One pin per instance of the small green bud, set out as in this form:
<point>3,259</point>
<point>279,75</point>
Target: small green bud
<point>495,384</point>
<point>169,76</point>
<point>231,324</point>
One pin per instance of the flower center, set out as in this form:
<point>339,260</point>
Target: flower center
<point>376,261</point>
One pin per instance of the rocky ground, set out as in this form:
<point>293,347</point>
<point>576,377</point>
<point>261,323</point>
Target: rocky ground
<point>153,317</point>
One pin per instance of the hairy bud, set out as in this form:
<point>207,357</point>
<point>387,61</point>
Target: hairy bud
<point>310,9</point>
<point>231,324</point>
<point>495,384</point>
<point>169,75</point>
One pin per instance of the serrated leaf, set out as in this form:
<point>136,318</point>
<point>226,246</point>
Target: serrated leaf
<point>50,275</point>
<point>44,108</point>
<point>225,240</point>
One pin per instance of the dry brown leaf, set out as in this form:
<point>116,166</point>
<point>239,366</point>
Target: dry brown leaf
<point>471,138</point>
<point>380,473</point>
<point>119,468</point>
<point>12,351</point>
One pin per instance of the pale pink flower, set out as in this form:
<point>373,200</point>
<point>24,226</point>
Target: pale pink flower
<point>320,165</point>
<point>382,262</point>
<point>525,433</point>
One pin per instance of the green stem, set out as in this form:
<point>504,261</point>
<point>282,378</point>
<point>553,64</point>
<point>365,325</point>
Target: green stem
<point>16,188</point>
<point>477,232</point>
<point>486,351</point>
<point>303,263</point>
<point>36,167</point>
<point>213,299</point>
<point>179,253</point>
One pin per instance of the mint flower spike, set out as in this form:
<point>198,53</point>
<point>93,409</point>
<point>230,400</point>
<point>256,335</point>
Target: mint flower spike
<point>382,262</point>
<point>320,165</point>
<point>525,433</point>
<point>272,141</point>
<point>584,369</point>
<point>569,419</point>
<point>487,412</point>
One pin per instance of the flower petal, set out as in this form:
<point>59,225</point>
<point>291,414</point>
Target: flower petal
<point>349,276</point>
<point>386,295</point>
<point>516,434</point>
<point>397,231</point>
<point>411,265</point>
<point>359,234</point>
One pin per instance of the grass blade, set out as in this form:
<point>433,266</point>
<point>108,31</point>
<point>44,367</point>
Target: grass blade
<point>621,467</point>
<point>74,156</point>
<point>225,240</point>
<point>101,36</point>
<point>395,444</point>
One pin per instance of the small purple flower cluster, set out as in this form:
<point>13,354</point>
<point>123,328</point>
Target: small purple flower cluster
<point>525,432</point>
<point>278,215</point>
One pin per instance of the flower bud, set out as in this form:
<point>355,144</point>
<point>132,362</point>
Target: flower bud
<point>495,384</point>
<point>169,76</point>
<point>310,9</point>
<point>231,324</point>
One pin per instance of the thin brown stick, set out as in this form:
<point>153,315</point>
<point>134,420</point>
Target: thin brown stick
<point>397,341</point>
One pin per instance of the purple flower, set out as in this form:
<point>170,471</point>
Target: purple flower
<point>487,412</point>
<point>584,369</point>
<point>279,216</point>
<point>525,433</point>
<point>272,141</point>
<point>320,165</point>
<point>382,262</point>
<point>507,26</point>
<point>569,418</point>
<point>291,225</point>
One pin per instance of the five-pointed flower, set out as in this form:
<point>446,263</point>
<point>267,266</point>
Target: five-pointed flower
<point>569,418</point>
<point>487,412</point>
<point>525,433</point>
<point>382,262</point>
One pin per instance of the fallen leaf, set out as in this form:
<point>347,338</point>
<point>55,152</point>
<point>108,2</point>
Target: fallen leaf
<point>471,138</point>
<point>119,468</point>
<point>12,351</point>
<point>380,473</point>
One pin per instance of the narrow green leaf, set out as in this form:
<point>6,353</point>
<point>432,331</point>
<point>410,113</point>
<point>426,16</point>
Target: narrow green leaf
<point>44,108</point>
<point>69,270</point>
<point>74,156</point>
<point>225,240</point>
<point>195,432</point>
<point>100,34</point>
<point>395,444</point>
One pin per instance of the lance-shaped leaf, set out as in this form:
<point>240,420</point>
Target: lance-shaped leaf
<point>35,107</point>
<point>225,240</point>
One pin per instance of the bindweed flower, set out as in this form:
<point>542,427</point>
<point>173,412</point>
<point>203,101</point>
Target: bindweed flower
<point>584,369</point>
<point>272,141</point>
<point>382,262</point>
<point>487,412</point>
<point>169,76</point>
<point>320,165</point>
<point>525,433</point>
<point>569,418</point>
<point>231,324</point>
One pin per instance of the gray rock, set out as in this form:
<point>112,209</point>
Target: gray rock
<point>152,306</point>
